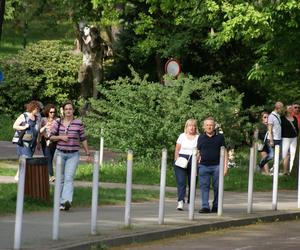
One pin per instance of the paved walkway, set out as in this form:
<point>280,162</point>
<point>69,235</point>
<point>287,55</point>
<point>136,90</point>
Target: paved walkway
<point>75,225</point>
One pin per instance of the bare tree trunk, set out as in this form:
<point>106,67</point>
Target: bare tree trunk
<point>159,68</point>
<point>2,11</point>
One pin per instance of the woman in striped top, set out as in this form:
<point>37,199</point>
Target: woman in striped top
<point>69,133</point>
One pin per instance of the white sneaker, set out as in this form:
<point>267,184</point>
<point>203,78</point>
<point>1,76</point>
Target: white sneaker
<point>180,205</point>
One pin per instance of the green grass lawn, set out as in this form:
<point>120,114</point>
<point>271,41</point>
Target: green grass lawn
<point>13,36</point>
<point>236,180</point>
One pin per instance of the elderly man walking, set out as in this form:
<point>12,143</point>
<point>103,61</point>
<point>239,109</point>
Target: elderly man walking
<point>209,145</point>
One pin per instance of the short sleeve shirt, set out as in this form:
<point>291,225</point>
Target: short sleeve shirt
<point>209,148</point>
<point>187,145</point>
<point>274,120</point>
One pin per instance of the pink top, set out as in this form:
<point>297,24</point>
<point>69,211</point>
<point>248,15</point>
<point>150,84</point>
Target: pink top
<point>75,132</point>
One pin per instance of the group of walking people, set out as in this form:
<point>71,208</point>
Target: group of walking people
<point>60,136</point>
<point>208,146</point>
<point>280,127</point>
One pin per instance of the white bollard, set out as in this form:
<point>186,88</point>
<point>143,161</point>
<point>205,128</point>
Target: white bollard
<point>20,204</point>
<point>221,181</point>
<point>275,177</point>
<point>56,202</point>
<point>128,188</point>
<point>193,185</point>
<point>163,173</point>
<point>255,157</point>
<point>299,181</point>
<point>250,180</point>
<point>101,148</point>
<point>95,194</point>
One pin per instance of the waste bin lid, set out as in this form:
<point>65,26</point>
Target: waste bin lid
<point>36,161</point>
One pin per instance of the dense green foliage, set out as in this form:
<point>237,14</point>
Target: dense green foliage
<point>254,44</point>
<point>145,116</point>
<point>45,71</point>
<point>6,130</point>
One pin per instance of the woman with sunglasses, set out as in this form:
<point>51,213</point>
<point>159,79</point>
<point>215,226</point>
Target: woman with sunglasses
<point>48,146</point>
<point>266,152</point>
<point>68,134</point>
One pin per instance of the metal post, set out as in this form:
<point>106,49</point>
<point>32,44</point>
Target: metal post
<point>221,181</point>
<point>128,188</point>
<point>163,173</point>
<point>101,148</point>
<point>193,185</point>
<point>299,181</point>
<point>20,204</point>
<point>275,177</point>
<point>255,156</point>
<point>250,180</point>
<point>56,202</point>
<point>95,194</point>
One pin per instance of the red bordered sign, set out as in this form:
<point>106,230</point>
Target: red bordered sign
<point>172,67</point>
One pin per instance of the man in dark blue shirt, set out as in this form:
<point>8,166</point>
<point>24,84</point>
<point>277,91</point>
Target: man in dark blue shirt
<point>209,145</point>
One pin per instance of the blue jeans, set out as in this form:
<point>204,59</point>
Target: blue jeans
<point>206,173</point>
<point>49,153</point>
<point>183,174</point>
<point>270,155</point>
<point>68,169</point>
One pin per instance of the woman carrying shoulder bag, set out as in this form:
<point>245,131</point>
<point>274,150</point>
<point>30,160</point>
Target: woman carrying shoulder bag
<point>186,142</point>
<point>27,125</point>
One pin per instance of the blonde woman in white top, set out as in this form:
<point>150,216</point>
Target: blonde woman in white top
<point>185,144</point>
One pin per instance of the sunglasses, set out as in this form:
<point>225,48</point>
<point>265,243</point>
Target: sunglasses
<point>52,112</point>
<point>265,117</point>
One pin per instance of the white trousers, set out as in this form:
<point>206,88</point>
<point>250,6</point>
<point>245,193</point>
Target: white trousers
<point>289,145</point>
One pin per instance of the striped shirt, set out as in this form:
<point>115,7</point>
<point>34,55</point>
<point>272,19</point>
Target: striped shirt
<point>75,132</point>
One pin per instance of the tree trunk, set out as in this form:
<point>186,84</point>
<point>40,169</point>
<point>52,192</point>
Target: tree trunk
<point>159,68</point>
<point>2,11</point>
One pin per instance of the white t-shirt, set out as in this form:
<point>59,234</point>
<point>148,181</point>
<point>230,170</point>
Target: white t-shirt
<point>187,145</point>
<point>274,119</point>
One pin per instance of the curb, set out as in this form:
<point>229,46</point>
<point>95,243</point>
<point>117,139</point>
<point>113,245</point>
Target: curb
<point>168,233</point>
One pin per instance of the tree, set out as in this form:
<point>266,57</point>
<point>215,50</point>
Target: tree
<point>45,71</point>
<point>2,11</point>
<point>272,29</point>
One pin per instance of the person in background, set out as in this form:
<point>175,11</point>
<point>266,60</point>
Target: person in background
<point>274,128</point>
<point>28,122</point>
<point>68,134</point>
<point>48,146</point>
<point>209,146</point>
<point>266,152</point>
<point>289,131</point>
<point>186,142</point>
<point>296,112</point>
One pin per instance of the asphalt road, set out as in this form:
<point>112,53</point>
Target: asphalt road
<point>276,235</point>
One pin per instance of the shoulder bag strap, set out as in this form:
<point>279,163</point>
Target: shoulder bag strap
<point>276,118</point>
<point>293,126</point>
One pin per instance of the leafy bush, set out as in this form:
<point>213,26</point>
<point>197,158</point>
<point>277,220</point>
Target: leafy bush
<point>146,116</point>
<point>6,130</point>
<point>45,71</point>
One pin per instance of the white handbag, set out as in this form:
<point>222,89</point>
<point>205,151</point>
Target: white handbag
<point>181,162</point>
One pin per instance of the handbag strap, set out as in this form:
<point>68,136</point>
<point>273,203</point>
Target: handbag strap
<point>293,126</point>
<point>266,136</point>
<point>276,117</point>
